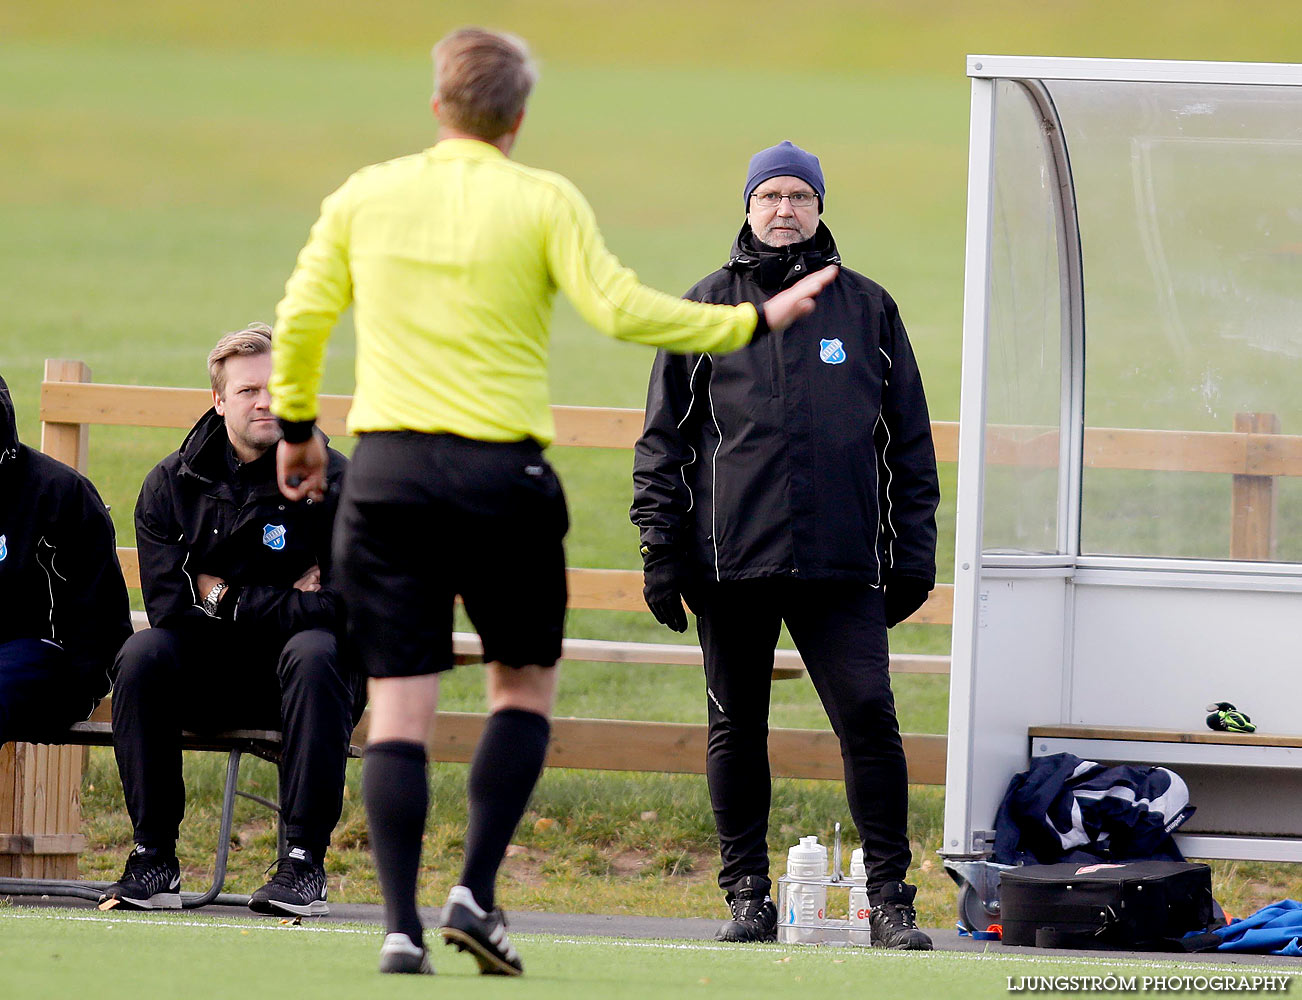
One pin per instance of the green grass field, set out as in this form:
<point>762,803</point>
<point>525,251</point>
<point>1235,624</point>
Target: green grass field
<point>160,166</point>
<point>57,956</point>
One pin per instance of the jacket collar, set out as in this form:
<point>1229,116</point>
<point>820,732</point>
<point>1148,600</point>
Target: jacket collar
<point>206,455</point>
<point>774,268</point>
<point>203,452</point>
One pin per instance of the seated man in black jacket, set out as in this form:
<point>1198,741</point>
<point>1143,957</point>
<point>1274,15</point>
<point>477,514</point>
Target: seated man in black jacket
<point>65,610</point>
<point>236,585</point>
<point>794,481</point>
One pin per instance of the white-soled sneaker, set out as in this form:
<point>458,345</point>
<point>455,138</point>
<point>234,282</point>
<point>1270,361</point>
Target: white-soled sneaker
<point>298,887</point>
<point>465,924</point>
<point>400,954</point>
<point>150,881</point>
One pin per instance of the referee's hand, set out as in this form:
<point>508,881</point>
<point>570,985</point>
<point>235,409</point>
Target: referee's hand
<point>797,301</point>
<point>300,469</point>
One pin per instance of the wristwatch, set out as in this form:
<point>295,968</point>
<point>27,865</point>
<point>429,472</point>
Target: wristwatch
<point>210,602</point>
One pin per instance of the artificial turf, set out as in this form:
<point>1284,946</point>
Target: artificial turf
<point>77,953</point>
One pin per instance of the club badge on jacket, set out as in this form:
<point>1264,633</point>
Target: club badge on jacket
<point>831,352</point>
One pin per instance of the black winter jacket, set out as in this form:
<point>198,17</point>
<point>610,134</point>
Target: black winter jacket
<point>59,573</point>
<point>805,454</point>
<point>201,512</point>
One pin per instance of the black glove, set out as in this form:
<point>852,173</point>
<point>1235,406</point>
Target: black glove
<point>665,575</point>
<point>904,595</point>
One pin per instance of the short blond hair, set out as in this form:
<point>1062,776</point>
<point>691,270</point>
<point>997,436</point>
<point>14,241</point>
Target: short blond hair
<point>482,80</point>
<point>253,339</point>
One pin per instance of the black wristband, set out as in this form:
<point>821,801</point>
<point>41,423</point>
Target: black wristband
<point>296,431</point>
<point>761,322</point>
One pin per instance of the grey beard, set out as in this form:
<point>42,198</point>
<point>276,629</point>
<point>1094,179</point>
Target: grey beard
<point>769,233</point>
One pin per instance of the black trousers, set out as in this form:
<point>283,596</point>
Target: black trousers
<point>167,681</point>
<point>42,692</point>
<point>840,631</point>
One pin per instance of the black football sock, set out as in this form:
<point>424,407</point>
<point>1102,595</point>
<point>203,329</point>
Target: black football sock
<point>315,848</point>
<point>506,767</point>
<point>395,788</point>
<point>166,850</point>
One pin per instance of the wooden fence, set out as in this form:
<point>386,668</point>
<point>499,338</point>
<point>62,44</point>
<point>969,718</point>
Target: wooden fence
<point>39,785</point>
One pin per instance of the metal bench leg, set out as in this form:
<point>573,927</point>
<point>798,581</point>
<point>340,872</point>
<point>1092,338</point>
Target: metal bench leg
<point>191,902</point>
<point>282,839</point>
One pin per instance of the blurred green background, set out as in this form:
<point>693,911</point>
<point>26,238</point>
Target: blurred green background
<point>160,165</point>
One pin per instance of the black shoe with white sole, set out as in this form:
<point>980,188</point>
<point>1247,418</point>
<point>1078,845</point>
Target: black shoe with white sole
<point>298,887</point>
<point>400,954</point>
<point>151,880</point>
<point>465,924</point>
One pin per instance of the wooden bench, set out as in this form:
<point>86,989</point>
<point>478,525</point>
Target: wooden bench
<point>1230,776</point>
<point>70,404</point>
<point>235,743</point>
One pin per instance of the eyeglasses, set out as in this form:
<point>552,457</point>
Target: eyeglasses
<point>771,199</point>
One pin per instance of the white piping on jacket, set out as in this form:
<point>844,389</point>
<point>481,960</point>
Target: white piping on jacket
<point>890,478</point>
<point>49,580</point>
<point>691,401</point>
<point>194,591</point>
<point>714,480</point>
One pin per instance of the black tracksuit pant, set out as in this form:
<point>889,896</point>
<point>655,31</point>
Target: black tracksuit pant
<point>840,630</point>
<point>41,692</point>
<point>167,681</point>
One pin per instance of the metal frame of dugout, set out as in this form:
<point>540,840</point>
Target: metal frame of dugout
<point>1128,537</point>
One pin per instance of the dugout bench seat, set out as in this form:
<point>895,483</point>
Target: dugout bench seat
<point>97,731</point>
<point>1246,787</point>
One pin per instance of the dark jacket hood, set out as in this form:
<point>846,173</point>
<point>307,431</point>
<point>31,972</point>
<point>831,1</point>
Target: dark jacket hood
<point>774,268</point>
<point>8,427</point>
<point>203,452</point>
<point>206,451</point>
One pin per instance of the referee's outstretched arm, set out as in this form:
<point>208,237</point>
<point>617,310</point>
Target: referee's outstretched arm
<point>454,256</point>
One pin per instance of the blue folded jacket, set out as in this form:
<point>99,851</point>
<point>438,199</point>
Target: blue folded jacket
<point>1273,930</point>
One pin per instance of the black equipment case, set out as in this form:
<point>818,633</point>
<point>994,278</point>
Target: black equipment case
<point>1118,905</point>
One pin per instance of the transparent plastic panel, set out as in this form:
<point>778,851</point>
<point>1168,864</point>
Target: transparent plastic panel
<point>1024,374</point>
<point>1190,202</point>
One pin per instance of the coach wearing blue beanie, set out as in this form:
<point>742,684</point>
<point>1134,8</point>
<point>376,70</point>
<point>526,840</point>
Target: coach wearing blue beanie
<point>794,481</point>
<point>784,159</point>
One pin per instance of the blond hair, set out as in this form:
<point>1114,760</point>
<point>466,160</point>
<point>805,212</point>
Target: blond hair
<point>482,80</point>
<point>253,339</point>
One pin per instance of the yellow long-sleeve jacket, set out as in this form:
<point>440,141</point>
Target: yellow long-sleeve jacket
<point>452,257</point>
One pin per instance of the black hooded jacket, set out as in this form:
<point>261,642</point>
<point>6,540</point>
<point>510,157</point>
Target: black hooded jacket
<point>59,575</point>
<point>806,454</point>
<point>201,511</point>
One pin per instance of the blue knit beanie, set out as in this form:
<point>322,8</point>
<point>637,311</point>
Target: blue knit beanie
<point>783,160</point>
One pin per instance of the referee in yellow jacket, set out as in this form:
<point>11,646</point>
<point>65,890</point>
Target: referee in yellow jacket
<point>451,258</point>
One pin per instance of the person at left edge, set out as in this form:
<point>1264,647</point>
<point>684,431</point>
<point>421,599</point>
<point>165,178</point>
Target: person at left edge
<point>237,585</point>
<point>65,609</point>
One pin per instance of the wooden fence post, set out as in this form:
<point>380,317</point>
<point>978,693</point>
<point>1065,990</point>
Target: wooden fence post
<point>1252,499</point>
<point>40,786</point>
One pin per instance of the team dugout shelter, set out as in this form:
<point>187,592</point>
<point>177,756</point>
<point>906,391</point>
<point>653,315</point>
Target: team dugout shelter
<point>1129,515</point>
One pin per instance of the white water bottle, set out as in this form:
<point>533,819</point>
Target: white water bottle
<point>859,933</point>
<point>804,896</point>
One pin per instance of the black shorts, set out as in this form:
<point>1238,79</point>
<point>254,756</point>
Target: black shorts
<point>425,517</point>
